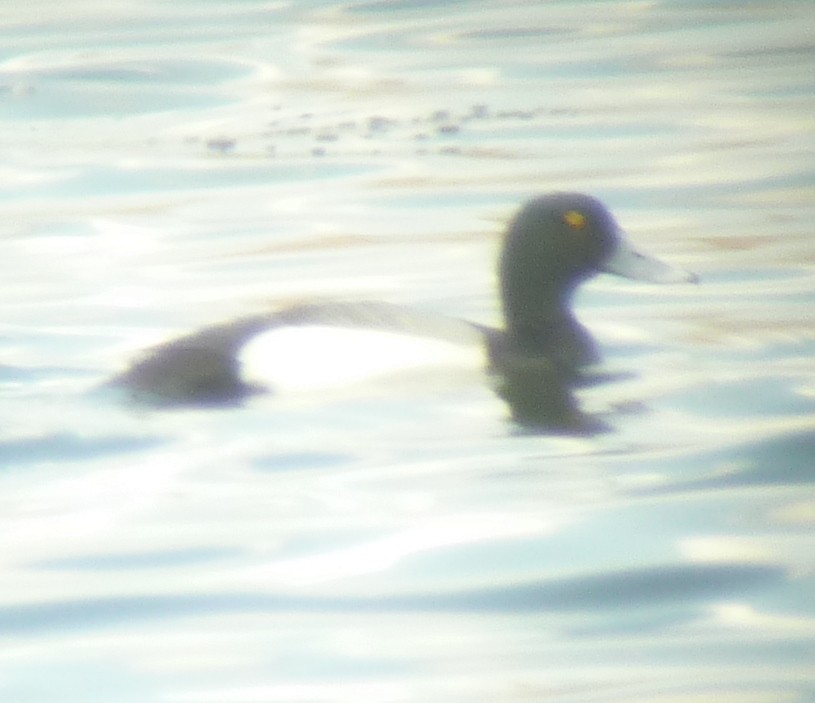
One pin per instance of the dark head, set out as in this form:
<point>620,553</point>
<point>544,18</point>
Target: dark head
<point>554,243</point>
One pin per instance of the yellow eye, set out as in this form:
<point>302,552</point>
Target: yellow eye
<point>575,219</point>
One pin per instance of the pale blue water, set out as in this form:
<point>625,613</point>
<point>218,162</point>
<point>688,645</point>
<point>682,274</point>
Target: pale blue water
<point>168,165</point>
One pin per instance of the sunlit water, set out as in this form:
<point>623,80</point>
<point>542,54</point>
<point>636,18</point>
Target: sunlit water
<point>168,165</point>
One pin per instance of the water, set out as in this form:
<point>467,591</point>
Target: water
<point>171,165</point>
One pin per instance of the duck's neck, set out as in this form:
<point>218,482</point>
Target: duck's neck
<point>551,331</point>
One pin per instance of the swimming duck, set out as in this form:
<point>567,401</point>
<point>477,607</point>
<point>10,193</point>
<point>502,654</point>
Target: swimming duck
<point>552,245</point>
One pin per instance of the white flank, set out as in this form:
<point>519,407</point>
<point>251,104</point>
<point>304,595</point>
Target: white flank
<point>310,357</point>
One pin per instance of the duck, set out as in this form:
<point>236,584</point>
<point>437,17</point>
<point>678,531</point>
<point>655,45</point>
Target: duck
<point>552,245</point>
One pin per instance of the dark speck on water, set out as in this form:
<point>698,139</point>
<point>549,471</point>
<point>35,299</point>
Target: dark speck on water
<point>223,145</point>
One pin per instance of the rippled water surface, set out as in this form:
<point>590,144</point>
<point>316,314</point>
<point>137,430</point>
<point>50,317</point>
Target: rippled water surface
<point>168,165</point>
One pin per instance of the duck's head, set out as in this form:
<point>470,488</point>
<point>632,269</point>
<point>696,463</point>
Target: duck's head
<point>553,244</point>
